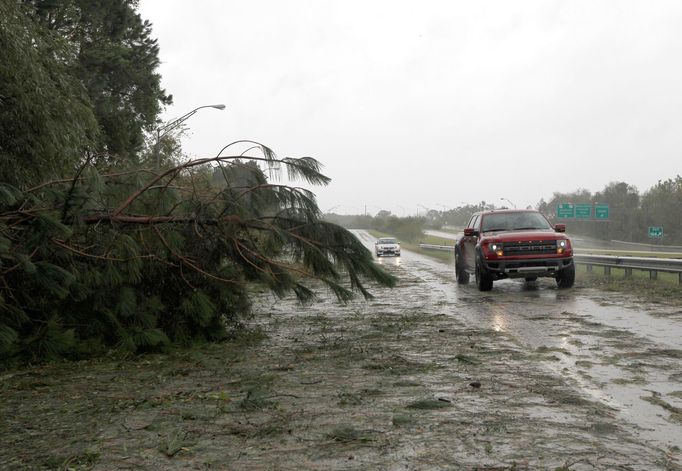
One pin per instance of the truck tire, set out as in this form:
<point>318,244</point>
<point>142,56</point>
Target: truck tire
<point>461,274</point>
<point>484,280</point>
<point>566,277</point>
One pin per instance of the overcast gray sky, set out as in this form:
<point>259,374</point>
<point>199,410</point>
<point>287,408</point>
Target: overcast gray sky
<point>435,103</point>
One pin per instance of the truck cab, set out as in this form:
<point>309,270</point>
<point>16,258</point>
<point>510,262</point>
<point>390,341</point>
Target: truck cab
<point>500,244</point>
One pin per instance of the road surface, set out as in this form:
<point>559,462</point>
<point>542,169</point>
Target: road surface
<point>608,346</point>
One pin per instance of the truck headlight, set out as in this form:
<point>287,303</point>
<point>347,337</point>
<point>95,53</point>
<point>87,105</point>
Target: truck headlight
<point>496,249</point>
<point>561,246</point>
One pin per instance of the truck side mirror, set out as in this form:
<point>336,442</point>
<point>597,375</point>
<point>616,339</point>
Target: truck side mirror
<point>469,232</point>
<point>560,227</point>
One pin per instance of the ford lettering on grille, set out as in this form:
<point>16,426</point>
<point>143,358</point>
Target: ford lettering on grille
<point>531,247</point>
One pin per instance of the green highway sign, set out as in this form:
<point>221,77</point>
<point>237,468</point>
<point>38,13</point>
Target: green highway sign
<point>565,210</point>
<point>583,211</point>
<point>655,232</point>
<point>601,211</point>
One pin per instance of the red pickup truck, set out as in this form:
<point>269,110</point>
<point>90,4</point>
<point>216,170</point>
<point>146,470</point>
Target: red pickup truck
<point>506,243</point>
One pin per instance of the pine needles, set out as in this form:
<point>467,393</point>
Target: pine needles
<point>137,260</point>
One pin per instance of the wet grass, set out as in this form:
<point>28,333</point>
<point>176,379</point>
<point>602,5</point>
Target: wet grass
<point>467,359</point>
<point>604,333</point>
<point>71,404</point>
<point>430,404</point>
<point>350,434</point>
<point>603,428</point>
<point>675,412</point>
<point>546,349</point>
<point>173,442</point>
<point>435,240</point>
<point>445,257</point>
<point>83,461</point>
<point>665,352</point>
<point>359,397</point>
<point>398,365</point>
<point>402,420</point>
<point>255,400</point>
<point>406,384</point>
<point>666,289</point>
<point>676,377</point>
<point>637,361</point>
<point>626,381</point>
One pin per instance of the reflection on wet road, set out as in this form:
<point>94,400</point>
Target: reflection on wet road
<point>612,347</point>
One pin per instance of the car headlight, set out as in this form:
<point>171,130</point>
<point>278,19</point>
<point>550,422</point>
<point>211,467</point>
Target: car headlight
<point>561,245</point>
<point>496,249</point>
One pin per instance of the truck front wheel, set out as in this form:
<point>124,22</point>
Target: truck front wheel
<point>566,277</point>
<point>460,271</point>
<point>484,280</point>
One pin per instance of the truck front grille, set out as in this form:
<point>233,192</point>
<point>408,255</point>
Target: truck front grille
<point>530,248</point>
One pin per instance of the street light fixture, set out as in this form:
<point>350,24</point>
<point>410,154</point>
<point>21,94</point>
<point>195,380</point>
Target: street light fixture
<point>505,199</point>
<point>165,129</point>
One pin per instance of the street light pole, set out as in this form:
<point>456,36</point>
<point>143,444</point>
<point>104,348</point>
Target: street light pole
<point>163,130</point>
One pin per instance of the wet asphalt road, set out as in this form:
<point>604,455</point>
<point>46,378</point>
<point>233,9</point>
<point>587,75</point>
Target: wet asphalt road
<point>609,346</point>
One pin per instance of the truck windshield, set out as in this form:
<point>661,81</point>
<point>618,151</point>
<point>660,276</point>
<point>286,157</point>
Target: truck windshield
<point>514,222</point>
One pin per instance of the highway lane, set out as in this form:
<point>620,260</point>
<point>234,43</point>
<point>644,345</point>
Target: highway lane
<point>612,347</point>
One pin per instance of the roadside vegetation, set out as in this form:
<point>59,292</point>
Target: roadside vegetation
<point>407,229</point>
<point>110,240</point>
<point>664,289</point>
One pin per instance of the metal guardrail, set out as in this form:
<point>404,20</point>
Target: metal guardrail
<point>442,248</point>
<point>650,264</point>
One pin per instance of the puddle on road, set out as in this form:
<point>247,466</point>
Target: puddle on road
<point>620,345</point>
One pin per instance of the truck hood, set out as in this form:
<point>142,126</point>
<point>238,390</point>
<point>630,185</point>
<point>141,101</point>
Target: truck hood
<point>512,236</point>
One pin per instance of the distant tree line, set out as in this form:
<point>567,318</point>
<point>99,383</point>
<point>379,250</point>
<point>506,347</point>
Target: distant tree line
<point>630,214</point>
<point>406,229</point>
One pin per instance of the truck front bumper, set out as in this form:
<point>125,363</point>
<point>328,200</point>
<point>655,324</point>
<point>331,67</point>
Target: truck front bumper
<point>522,268</point>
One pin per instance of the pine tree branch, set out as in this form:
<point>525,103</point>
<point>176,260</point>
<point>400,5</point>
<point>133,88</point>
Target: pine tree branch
<point>287,267</point>
<point>70,248</point>
<point>153,220</point>
<point>69,194</point>
<point>191,265</point>
<point>305,167</point>
<point>237,245</point>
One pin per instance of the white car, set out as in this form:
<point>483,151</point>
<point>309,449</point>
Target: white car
<point>387,246</point>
